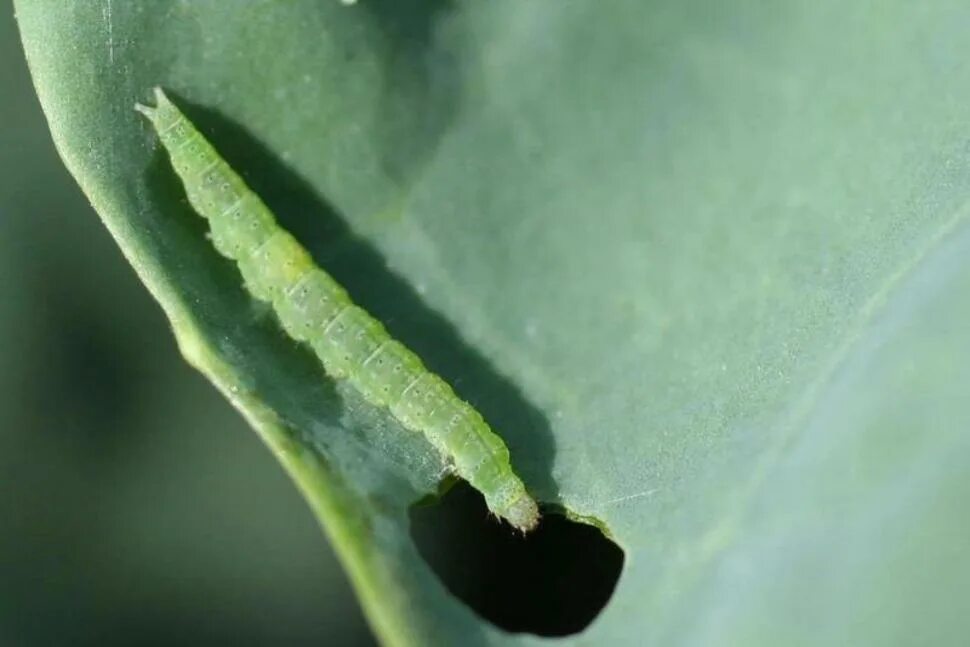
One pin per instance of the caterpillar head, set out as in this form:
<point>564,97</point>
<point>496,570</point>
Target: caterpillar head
<point>522,513</point>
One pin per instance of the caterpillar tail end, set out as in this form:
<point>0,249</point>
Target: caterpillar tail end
<point>148,111</point>
<point>153,112</point>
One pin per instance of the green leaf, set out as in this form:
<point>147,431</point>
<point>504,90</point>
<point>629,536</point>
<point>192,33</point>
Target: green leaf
<point>704,268</point>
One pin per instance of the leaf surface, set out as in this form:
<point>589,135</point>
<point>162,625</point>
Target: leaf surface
<point>703,267</point>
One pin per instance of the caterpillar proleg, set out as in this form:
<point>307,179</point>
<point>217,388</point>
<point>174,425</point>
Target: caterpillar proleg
<point>314,309</point>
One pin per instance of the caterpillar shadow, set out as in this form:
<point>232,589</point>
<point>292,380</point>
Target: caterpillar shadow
<point>361,269</point>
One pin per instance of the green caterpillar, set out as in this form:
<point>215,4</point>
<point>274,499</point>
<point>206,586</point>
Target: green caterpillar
<point>314,309</point>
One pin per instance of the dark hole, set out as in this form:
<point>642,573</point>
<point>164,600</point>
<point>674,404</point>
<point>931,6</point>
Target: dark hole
<point>552,582</point>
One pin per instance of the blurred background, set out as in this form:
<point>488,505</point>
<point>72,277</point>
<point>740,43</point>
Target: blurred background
<point>136,507</point>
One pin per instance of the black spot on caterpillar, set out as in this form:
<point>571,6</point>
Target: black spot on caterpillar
<point>314,309</point>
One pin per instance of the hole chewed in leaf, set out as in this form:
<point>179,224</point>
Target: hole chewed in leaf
<point>552,582</point>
